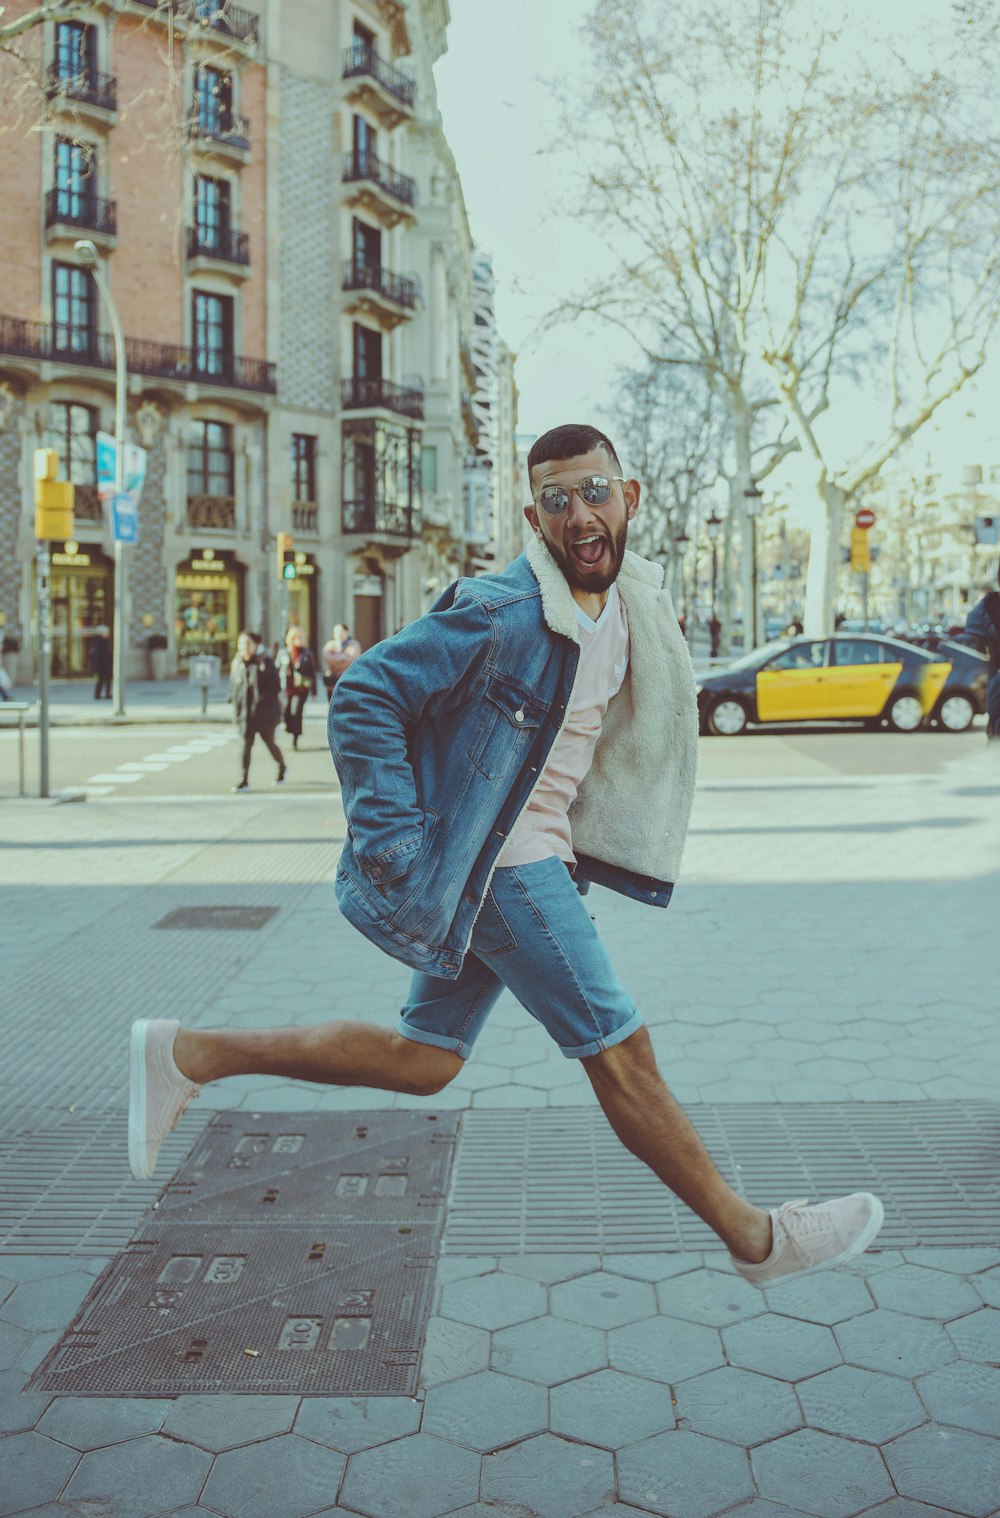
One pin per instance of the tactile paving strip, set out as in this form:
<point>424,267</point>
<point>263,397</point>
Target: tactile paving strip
<point>554,1181</point>
<point>293,1254</point>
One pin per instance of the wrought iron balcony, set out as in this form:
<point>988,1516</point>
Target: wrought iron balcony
<point>86,87</point>
<point>380,516</point>
<point>223,128</point>
<point>305,516</point>
<point>366,394</point>
<point>223,243</point>
<point>363,164</point>
<point>212,511</point>
<point>215,15</point>
<point>362,62</point>
<point>95,350</point>
<point>74,208</point>
<point>361,274</point>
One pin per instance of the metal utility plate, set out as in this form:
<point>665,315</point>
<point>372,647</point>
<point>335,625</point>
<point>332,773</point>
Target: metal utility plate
<point>219,919</point>
<point>323,1291</point>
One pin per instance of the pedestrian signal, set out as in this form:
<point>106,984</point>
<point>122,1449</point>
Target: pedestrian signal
<point>288,569</point>
<point>286,557</point>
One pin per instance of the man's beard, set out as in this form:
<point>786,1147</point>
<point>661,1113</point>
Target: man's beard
<point>596,582</point>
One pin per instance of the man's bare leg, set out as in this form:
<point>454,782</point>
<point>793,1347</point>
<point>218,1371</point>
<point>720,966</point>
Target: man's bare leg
<point>337,1053</point>
<point>650,1123</point>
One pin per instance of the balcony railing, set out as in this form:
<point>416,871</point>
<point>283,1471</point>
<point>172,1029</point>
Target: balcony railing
<point>363,164</point>
<point>72,208</point>
<point>305,516</point>
<point>217,15</point>
<point>362,61</point>
<point>88,87</point>
<point>224,243</point>
<point>212,511</point>
<point>362,394</point>
<point>95,350</point>
<point>360,274</point>
<point>223,127</point>
<point>380,516</point>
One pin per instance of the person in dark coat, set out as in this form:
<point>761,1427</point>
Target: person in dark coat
<point>254,689</point>
<point>982,629</point>
<point>101,662</point>
<point>297,673</point>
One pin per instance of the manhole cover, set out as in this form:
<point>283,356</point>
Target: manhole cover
<point>291,1254</point>
<point>215,919</point>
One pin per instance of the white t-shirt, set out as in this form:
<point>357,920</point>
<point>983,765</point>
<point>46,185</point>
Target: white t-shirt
<point>543,829</point>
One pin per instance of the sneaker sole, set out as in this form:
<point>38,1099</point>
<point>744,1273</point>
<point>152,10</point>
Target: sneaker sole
<point>137,1101</point>
<point>864,1240</point>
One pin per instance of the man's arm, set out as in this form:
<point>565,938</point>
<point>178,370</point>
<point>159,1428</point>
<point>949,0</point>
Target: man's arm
<point>429,668</point>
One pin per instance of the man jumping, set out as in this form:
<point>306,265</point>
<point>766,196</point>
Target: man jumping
<point>534,732</point>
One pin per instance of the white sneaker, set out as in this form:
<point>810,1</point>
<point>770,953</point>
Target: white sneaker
<point>816,1238</point>
<point>157,1093</point>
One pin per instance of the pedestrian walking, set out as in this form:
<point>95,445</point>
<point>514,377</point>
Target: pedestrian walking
<point>101,662</point>
<point>535,732</point>
<point>254,692</point>
<point>338,655</point>
<point>297,674</point>
<point>982,628</point>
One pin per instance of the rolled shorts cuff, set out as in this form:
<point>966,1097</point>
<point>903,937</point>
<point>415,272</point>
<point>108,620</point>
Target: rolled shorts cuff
<point>598,1045</point>
<point>439,1040</point>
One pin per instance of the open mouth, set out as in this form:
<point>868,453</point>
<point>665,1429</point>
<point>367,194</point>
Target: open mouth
<point>589,551</point>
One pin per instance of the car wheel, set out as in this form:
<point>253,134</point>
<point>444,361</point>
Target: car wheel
<point>727,718</point>
<point>955,713</point>
<point>904,713</point>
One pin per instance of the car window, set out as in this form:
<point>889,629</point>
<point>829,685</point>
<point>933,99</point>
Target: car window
<point>801,656</point>
<point>857,651</point>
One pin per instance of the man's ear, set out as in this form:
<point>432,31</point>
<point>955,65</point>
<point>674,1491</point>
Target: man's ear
<point>531,514</point>
<point>632,491</point>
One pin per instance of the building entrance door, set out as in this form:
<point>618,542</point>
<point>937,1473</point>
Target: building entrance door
<point>82,590</point>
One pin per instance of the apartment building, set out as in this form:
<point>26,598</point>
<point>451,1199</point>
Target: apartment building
<point>281,224</point>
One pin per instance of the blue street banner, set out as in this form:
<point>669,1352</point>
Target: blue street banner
<point>124,518</point>
<point>106,457</point>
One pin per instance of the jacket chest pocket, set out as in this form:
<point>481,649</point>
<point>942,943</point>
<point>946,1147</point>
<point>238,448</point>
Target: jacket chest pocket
<point>504,717</point>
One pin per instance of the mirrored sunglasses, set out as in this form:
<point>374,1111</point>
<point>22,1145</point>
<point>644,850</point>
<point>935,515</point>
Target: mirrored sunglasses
<point>594,490</point>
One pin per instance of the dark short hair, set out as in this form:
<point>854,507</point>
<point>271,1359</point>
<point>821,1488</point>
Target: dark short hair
<point>567,442</point>
<point>248,632</point>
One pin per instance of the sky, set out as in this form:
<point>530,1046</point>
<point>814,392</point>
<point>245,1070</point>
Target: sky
<point>502,120</point>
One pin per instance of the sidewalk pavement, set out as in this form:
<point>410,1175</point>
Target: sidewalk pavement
<point>830,943</point>
<point>72,704</point>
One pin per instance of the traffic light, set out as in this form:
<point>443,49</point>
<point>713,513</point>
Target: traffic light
<point>53,499</point>
<point>286,557</point>
<point>861,555</point>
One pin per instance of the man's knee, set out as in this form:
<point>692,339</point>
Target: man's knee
<point>623,1064</point>
<point>426,1068</point>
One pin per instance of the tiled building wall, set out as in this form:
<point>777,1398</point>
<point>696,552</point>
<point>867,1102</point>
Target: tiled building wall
<point>10,507</point>
<point>308,249</point>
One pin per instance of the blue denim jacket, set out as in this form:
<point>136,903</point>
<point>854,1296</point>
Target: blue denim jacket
<point>439,735</point>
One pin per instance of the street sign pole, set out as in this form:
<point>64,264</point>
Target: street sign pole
<point>43,561</point>
<point>865,577</point>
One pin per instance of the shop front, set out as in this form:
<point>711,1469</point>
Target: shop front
<point>300,599</point>
<point>208,605</point>
<point>82,586</point>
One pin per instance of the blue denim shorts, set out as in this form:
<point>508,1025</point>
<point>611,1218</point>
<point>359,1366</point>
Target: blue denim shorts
<point>535,936</point>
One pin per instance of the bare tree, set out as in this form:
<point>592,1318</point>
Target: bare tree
<point>789,223</point>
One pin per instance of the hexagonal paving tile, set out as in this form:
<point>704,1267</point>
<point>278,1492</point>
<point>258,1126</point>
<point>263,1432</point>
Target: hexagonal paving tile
<point>486,1411</point>
<point>548,1475</point>
<point>966,1394</point>
<point>350,1424</point>
<point>685,1473</point>
<point>603,1300</point>
<point>34,1471</point>
<point>834,1478</point>
<point>219,1422</point>
<point>865,1404</point>
<point>893,1341</point>
<point>547,1269</point>
<point>737,1405</point>
<point>418,1477</point>
<point>493,1301</point>
<point>924,1293</point>
<point>828,1298</point>
<point>950,1466</point>
<point>285,1477</point>
<point>710,1296</point>
<point>452,1349</point>
<point>13,1342</point>
<point>784,1347</point>
<point>141,1477</point>
<point>977,1336</point>
<point>548,1350</point>
<point>900,1507</point>
<point>49,1303</point>
<point>652,1267</point>
<point>90,1422</point>
<point>18,1411</point>
<point>665,1349</point>
<point>610,1409</point>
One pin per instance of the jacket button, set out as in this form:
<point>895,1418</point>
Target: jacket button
<point>519,714</point>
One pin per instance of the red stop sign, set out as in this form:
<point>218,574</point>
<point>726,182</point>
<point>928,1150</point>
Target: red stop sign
<point>865,517</point>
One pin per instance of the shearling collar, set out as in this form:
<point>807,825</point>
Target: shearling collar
<point>558,605</point>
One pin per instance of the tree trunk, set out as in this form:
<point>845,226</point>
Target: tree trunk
<point>824,554</point>
<point>738,511</point>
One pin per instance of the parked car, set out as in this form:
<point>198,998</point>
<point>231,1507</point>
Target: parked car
<point>851,677</point>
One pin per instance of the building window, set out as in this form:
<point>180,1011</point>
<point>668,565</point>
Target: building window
<point>303,467</point>
<point>213,334</point>
<point>210,459</point>
<point>213,96</point>
<point>429,470</point>
<point>367,353</point>
<point>365,140</point>
<point>76,50</point>
<point>367,246</point>
<point>363,36</point>
<point>73,309</point>
<point>72,432</point>
<point>74,177</point>
<point>211,211</point>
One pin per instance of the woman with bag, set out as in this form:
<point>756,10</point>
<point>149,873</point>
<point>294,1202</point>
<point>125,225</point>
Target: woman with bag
<point>297,669</point>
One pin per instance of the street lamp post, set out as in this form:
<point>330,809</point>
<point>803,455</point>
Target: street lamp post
<point>90,260</point>
<point>752,496</point>
<point>712,525</point>
<point>681,541</point>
